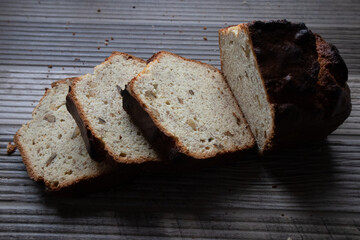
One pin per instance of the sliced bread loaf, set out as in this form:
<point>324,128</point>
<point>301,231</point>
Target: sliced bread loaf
<point>51,146</point>
<point>96,105</point>
<point>186,109</point>
<point>286,96</point>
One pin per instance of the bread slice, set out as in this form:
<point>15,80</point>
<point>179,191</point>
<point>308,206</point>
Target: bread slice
<point>96,105</point>
<point>51,146</point>
<point>286,96</point>
<point>186,109</point>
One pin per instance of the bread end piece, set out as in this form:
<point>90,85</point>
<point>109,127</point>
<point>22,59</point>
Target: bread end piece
<point>281,66</point>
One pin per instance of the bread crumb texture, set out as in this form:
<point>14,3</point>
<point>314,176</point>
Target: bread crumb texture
<point>10,148</point>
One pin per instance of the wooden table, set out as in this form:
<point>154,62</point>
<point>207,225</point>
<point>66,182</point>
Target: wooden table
<point>311,192</point>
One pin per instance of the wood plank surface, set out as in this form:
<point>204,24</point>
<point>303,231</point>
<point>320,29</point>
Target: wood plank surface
<point>309,192</point>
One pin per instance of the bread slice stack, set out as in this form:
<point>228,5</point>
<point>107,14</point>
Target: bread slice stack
<point>52,143</point>
<point>280,85</point>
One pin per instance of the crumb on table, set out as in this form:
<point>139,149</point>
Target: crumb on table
<point>10,148</point>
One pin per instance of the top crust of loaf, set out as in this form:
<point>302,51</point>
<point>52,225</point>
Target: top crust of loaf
<point>95,145</point>
<point>305,81</point>
<point>177,147</point>
<point>287,59</point>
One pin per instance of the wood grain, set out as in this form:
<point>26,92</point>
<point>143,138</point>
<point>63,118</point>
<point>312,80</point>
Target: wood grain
<point>309,192</point>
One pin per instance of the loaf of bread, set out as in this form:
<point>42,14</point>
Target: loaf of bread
<point>96,105</point>
<point>186,109</point>
<point>290,84</point>
<point>51,146</point>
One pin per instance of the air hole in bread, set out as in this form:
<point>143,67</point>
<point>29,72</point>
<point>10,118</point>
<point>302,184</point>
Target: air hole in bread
<point>167,102</point>
<point>101,121</point>
<point>238,121</point>
<point>50,118</point>
<point>228,133</point>
<point>258,100</point>
<point>210,139</point>
<point>59,136</point>
<point>246,51</point>
<point>122,154</point>
<point>50,159</point>
<point>90,94</point>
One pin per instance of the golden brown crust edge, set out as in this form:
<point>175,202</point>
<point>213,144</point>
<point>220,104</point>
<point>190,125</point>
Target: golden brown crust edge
<point>177,145</point>
<point>94,144</point>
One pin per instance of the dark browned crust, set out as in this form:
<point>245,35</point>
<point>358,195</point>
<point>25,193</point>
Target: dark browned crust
<point>94,144</point>
<point>315,100</point>
<point>282,50</point>
<point>167,145</point>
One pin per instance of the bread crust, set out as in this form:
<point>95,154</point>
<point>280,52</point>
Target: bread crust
<point>331,102</point>
<point>95,146</point>
<point>165,143</point>
<point>314,99</point>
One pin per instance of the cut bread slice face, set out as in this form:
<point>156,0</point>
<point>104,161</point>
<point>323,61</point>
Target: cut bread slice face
<point>51,146</point>
<point>287,97</point>
<point>96,105</point>
<point>186,109</point>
